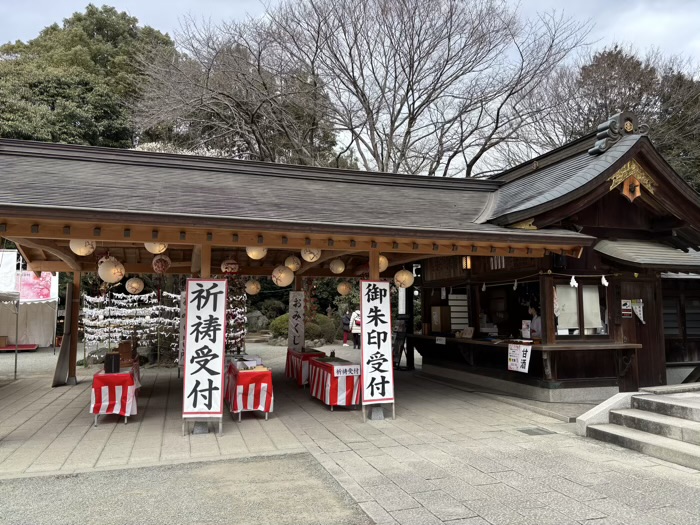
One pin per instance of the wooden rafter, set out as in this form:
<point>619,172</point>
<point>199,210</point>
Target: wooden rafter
<point>48,247</point>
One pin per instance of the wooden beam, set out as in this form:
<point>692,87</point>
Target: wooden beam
<point>196,265</point>
<point>206,261</point>
<point>48,247</point>
<point>374,265</point>
<point>75,316</point>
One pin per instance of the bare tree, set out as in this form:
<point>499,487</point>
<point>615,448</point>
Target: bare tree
<point>228,88</point>
<point>425,86</point>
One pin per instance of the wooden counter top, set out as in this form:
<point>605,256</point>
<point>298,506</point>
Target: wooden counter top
<point>564,346</point>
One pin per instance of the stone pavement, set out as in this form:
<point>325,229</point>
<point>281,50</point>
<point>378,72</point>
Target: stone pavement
<point>451,456</point>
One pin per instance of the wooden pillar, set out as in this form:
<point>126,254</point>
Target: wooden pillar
<point>75,313</point>
<point>298,283</point>
<point>547,309</point>
<point>374,265</point>
<point>205,272</point>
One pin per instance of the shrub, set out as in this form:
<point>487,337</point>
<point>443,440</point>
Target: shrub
<point>323,328</point>
<point>271,308</point>
<point>280,326</point>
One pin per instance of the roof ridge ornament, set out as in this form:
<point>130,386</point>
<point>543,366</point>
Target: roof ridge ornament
<point>617,126</point>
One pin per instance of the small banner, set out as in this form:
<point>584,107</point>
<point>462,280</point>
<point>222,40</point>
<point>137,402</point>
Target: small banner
<point>296,321</point>
<point>346,370</point>
<point>377,368</point>
<point>519,357</point>
<point>204,348</point>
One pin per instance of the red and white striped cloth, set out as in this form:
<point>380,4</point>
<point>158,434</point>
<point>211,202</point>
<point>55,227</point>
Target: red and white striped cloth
<point>297,366</point>
<point>333,391</point>
<point>115,393</point>
<point>249,390</point>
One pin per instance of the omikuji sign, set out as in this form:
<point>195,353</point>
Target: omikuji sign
<point>377,367</point>
<point>296,321</point>
<point>204,348</point>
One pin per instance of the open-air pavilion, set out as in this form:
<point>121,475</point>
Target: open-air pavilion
<point>207,210</point>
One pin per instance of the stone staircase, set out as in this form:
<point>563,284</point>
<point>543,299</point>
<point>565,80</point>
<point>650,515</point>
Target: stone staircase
<point>663,422</point>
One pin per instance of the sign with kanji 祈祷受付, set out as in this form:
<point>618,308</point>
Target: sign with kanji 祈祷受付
<point>519,357</point>
<point>204,348</point>
<point>296,321</point>
<point>377,366</point>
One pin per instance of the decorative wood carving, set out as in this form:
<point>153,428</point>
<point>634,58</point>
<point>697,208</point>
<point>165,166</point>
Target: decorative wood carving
<point>632,177</point>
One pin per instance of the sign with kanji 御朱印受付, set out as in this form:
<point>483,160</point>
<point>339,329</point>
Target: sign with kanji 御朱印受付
<point>296,321</point>
<point>204,348</point>
<point>519,357</point>
<point>377,366</point>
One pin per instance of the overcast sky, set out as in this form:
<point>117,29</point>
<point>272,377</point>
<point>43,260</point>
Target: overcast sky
<point>670,25</point>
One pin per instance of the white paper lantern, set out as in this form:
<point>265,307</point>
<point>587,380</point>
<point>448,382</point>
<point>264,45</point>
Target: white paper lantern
<point>344,288</point>
<point>82,247</point>
<point>403,278</point>
<point>282,276</point>
<point>256,252</point>
<point>292,262</point>
<point>337,266</point>
<point>102,259</point>
<point>156,247</point>
<point>310,254</point>
<point>134,285</point>
<point>252,287</point>
<point>383,263</point>
<point>111,271</point>
<point>161,263</point>
<point>229,265</point>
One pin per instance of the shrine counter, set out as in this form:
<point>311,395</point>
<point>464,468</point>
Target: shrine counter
<point>115,393</point>
<point>297,365</point>
<point>585,363</point>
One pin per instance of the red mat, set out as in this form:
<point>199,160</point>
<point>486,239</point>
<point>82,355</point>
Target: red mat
<point>21,348</point>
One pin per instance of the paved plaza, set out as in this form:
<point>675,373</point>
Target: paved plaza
<point>451,456</point>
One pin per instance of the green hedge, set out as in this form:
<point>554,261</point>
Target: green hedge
<point>323,328</point>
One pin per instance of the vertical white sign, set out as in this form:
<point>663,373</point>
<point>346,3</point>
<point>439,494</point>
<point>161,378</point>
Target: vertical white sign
<point>296,321</point>
<point>204,348</point>
<point>402,301</point>
<point>183,329</point>
<point>519,357</point>
<point>377,367</point>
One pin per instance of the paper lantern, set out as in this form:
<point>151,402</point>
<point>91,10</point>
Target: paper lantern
<point>403,278</point>
<point>337,266</point>
<point>229,265</point>
<point>310,254</point>
<point>383,263</point>
<point>156,247</point>
<point>256,252</point>
<point>102,259</point>
<point>111,271</point>
<point>82,247</point>
<point>252,287</point>
<point>161,263</point>
<point>292,262</point>
<point>282,276</point>
<point>134,285</point>
<point>344,288</point>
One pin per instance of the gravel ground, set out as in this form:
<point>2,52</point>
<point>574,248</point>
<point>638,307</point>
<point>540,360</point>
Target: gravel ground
<point>290,489</point>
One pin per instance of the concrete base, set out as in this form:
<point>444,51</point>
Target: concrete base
<point>376,413</point>
<point>552,395</point>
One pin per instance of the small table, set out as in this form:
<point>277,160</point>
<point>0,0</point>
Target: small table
<point>334,381</point>
<point>115,393</point>
<point>297,366</point>
<point>248,390</point>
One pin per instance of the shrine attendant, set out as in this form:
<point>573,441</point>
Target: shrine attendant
<point>356,329</point>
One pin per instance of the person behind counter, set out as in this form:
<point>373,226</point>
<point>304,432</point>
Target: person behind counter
<point>536,323</point>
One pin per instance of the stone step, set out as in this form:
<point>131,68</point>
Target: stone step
<point>659,424</point>
<point>685,406</point>
<point>659,447</point>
